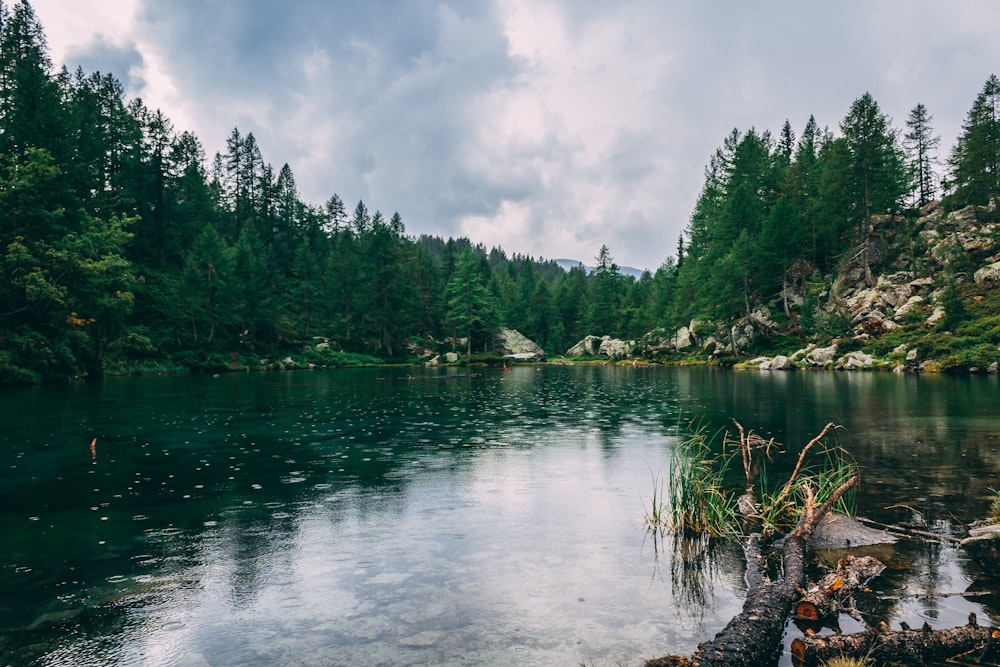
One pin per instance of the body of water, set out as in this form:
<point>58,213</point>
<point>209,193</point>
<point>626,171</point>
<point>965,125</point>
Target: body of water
<point>412,516</point>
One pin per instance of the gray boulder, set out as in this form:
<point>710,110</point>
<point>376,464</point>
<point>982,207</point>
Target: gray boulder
<point>654,344</point>
<point>588,347</point>
<point>821,356</point>
<point>782,363</point>
<point>684,338</point>
<point>988,275</point>
<point>853,361</point>
<point>516,345</point>
<point>615,348</point>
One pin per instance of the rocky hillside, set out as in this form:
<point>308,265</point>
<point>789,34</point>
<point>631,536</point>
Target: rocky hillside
<point>932,303</point>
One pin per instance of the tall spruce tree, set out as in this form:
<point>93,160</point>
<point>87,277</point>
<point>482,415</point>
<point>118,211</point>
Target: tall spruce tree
<point>975,159</point>
<point>876,167</point>
<point>606,295</point>
<point>921,147</point>
<point>471,306</point>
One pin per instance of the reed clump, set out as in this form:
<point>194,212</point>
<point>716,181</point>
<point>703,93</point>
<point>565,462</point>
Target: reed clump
<point>697,497</point>
<point>701,496</point>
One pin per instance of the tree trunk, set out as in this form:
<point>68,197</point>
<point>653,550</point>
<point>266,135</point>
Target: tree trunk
<point>826,597</point>
<point>906,646</point>
<point>752,636</point>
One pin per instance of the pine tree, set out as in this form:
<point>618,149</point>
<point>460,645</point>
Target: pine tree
<point>204,295</point>
<point>975,159</point>
<point>921,145</point>
<point>606,296</point>
<point>31,104</point>
<point>876,167</point>
<point>470,305</point>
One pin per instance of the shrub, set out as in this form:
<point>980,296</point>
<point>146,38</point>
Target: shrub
<point>845,345</point>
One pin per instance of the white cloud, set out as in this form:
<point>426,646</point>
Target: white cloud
<point>547,128</point>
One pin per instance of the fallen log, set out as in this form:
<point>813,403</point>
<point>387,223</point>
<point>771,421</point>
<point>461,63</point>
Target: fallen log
<point>827,596</point>
<point>906,646</point>
<point>753,635</point>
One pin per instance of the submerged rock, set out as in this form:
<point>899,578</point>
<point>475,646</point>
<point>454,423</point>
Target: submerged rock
<point>983,546</point>
<point>838,531</point>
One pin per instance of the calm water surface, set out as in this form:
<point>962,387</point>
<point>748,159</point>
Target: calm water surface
<point>407,516</point>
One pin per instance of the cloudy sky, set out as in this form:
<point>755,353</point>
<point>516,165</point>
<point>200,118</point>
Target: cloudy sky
<point>546,127</point>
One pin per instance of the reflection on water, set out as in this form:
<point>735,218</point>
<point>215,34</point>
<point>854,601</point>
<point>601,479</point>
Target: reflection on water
<point>410,516</point>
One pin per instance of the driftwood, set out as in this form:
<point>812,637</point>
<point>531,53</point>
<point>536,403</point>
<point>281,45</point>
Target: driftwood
<point>906,646</point>
<point>826,597</point>
<point>752,636</point>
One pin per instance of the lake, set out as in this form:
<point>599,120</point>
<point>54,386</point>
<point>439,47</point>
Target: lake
<point>423,516</point>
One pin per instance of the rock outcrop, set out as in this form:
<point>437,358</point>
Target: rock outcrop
<point>592,346</point>
<point>588,347</point>
<point>515,345</point>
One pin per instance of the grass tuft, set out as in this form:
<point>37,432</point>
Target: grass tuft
<point>699,497</point>
<point>696,494</point>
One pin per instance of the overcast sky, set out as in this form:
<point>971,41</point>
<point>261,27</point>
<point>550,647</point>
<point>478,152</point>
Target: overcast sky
<point>545,127</point>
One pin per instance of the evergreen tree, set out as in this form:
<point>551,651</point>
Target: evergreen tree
<point>250,278</point>
<point>31,105</point>
<point>921,145</point>
<point>802,186</point>
<point>204,295</point>
<point>781,241</point>
<point>428,291</point>
<point>541,323</point>
<point>605,298</point>
<point>335,215</point>
<point>975,159</point>
<point>387,287</point>
<point>876,166</point>
<point>571,300</point>
<point>471,307</point>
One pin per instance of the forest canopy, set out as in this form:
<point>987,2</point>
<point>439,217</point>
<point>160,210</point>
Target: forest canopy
<point>125,247</point>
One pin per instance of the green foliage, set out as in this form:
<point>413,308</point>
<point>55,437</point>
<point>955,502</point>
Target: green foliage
<point>975,159</point>
<point>123,247</point>
<point>954,310</point>
<point>845,345</point>
<point>957,353</point>
<point>696,495</point>
<point>699,497</point>
<point>487,359</point>
<point>329,358</point>
<point>606,297</point>
<point>471,307</point>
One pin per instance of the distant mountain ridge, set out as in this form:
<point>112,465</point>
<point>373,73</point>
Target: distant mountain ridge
<point>567,264</point>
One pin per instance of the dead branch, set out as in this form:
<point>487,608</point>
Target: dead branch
<point>828,595</point>
<point>751,637</point>
<point>906,531</point>
<point>785,490</point>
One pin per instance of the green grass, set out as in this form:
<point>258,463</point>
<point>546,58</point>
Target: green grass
<point>657,512</point>
<point>697,499</point>
<point>700,496</point>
